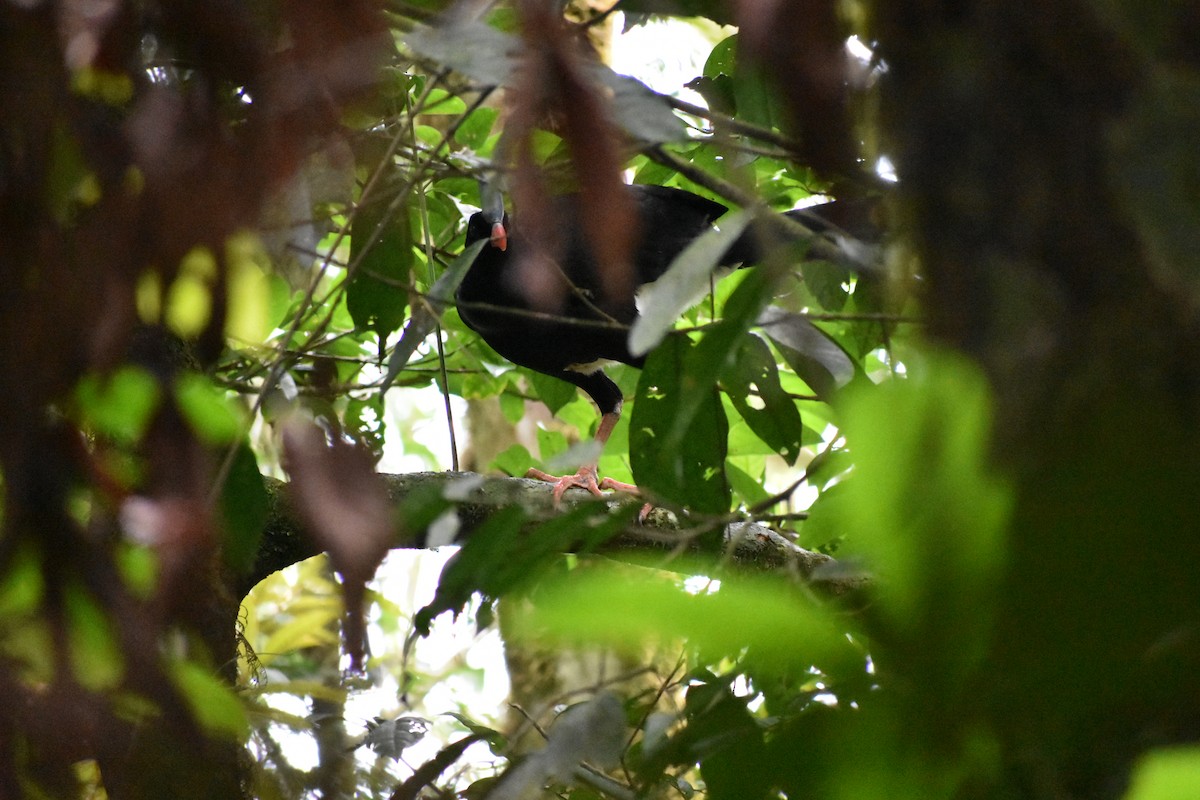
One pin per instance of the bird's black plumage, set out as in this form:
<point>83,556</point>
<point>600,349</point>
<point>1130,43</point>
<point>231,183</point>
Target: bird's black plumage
<point>494,301</point>
<point>586,325</point>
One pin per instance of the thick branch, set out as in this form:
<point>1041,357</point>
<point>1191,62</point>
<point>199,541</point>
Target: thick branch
<point>476,498</point>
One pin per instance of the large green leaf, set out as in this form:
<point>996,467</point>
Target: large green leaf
<point>662,303</point>
<point>678,415</point>
<point>1166,774</point>
<point>381,246</point>
<point>752,383</point>
<point>119,405</point>
<point>682,464</point>
<point>815,357</point>
<point>244,507</point>
<point>927,513</point>
<point>502,556</point>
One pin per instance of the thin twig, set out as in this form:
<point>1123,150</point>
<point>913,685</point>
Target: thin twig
<point>444,382</point>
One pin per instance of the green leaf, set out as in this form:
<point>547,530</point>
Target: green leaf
<point>365,422</point>
<point>689,276</point>
<point>139,568</point>
<point>746,486</point>
<point>95,654</point>
<point>501,557</point>
<point>1166,774</point>
<point>119,405</point>
<point>492,736</point>
<point>746,84</point>
<point>425,317</point>
<point>553,392</point>
<point>728,741</point>
<point>925,511</point>
<point>515,460</point>
<point>752,383</point>
<point>815,357</point>
<point>475,129</point>
<point>381,246</point>
<point>764,621</point>
<point>684,464</point>
<point>22,584</point>
<point>476,565</point>
<point>826,282</point>
<point>441,101</point>
<point>678,430</point>
<point>244,506</point>
<point>551,443</point>
<point>213,703</point>
<point>213,417</point>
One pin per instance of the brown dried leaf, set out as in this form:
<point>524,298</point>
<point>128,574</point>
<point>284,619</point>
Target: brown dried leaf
<point>344,505</point>
<point>556,90</point>
<point>803,44</point>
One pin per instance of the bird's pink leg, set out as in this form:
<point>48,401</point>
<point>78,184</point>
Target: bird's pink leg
<point>585,477</point>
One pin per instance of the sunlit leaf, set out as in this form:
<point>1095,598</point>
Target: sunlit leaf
<point>553,392</point>
<point>752,383</point>
<point>119,405</point>
<point>365,423</point>
<point>213,418</point>
<point>96,657</point>
<point>477,126</point>
<point>312,628</point>
<point>189,298</point>
<point>765,619</point>
<point>213,702</point>
<point>248,318</point>
<point>1166,774</point>
<point>442,102</point>
<point>925,511</point>
<point>689,276</point>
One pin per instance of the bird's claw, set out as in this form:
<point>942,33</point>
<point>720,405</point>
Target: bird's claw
<point>584,478</point>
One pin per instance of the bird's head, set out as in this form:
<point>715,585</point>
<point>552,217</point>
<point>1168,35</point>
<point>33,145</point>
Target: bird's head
<point>490,222</point>
<point>483,225</point>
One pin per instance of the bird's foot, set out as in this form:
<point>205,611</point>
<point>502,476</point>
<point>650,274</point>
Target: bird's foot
<point>618,486</point>
<point>584,478</point>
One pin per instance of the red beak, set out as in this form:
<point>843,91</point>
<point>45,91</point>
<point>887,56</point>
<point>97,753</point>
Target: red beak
<point>499,236</point>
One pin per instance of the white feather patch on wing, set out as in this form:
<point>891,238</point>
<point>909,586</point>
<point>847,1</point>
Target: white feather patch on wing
<point>591,366</point>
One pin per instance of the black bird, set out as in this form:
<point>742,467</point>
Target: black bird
<point>589,326</point>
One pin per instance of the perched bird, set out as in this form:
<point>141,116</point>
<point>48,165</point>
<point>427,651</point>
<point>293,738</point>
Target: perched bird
<point>585,326</point>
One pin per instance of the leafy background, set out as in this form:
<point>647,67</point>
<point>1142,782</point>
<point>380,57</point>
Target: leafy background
<point>989,422</point>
